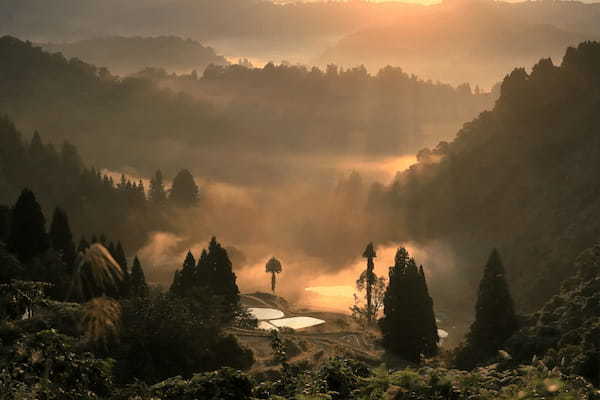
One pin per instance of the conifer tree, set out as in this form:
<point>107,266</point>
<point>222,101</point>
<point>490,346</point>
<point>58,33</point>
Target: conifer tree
<point>184,280</point>
<point>176,284</point>
<point>202,274</point>
<point>28,238</point>
<point>137,281</point>
<point>407,326</point>
<point>430,333</point>
<point>157,193</point>
<point>495,318</point>
<point>61,238</point>
<point>221,278</point>
<point>184,192</point>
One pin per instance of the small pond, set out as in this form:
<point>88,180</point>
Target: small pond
<point>296,322</point>
<point>263,314</point>
<point>271,318</point>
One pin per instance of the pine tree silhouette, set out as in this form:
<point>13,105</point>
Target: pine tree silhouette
<point>28,237</point>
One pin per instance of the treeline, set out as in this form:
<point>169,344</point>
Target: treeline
<point>389,110</point>
<point>517,177</point>
<point>50,254</point>
<point>125,55</point>
<point>97,205</point>
<point>240,111</point>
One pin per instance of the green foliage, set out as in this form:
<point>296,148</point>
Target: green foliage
<point>44,365</point>
<point>564,333</point>
<point>21,297</point>
<point>165,336</point>
<point>10,267</point>
<point>224,384</point>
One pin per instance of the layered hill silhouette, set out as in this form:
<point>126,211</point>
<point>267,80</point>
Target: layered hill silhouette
<point>126,55</point>
<point>474,42</point>
<point>227,131</point>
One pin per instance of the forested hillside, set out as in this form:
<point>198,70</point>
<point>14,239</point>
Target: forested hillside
<point>237,111</point>
<point>520,177</point>
<point>124,210</point>
<point>125,55</point>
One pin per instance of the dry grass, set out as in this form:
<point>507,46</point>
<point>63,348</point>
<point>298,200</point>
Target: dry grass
<point>101,319</point>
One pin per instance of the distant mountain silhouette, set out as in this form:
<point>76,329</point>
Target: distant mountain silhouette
<point>474,42</point>
<point>124,55</point>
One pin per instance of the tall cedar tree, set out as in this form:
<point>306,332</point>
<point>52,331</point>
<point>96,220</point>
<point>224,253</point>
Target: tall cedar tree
<point>408,326</point>
<point>61,238</point>
<point>370,254</point>
<point>495,319</point>
<point>27,238</point>
<point>221,278</point>
<point>137,281</point>
<point>184,192</point>
<point>157,194</point>
<point>184,280</point>
<point>212,276</point>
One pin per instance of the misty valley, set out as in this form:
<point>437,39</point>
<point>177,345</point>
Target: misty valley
<point>299,200</point>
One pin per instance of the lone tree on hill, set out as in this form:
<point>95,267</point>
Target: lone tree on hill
<point>369,279</point>
<point>273,267</point>
<point>495,319</point>
<point>368,304</point>
<point>408,326</point>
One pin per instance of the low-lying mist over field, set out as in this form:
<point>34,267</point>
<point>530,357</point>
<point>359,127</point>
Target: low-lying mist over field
<point>299,200</point>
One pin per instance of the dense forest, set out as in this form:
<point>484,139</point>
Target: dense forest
<point>517,177</point>
<point>126,55</point>
<point>125,209</point>
<point>237,111</point>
